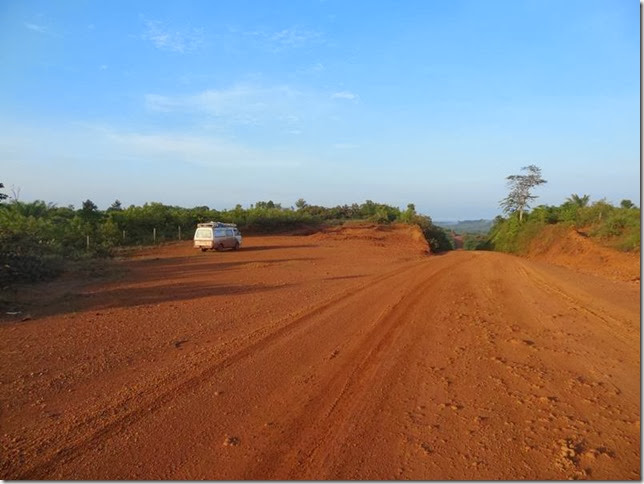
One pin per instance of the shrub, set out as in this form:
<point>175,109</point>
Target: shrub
<point>436,237</point>
<point>618,227</point>
<point>476,242</point>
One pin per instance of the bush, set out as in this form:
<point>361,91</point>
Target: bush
<point>504,233</point>
<point>596,213</point>
<point>436,237</point>
<point>28,268</point>
<point>618,227</point>
<point>476,242</point>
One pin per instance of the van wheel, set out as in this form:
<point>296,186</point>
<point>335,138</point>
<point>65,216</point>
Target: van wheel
<point>203,249</point>
<point>219,248</point>
<point>236,246</point>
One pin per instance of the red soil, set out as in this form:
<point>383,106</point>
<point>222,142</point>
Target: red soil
<point>349,354</point>
<point>570,248</point>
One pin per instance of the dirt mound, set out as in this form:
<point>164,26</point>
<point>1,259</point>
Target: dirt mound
<point>569,248</point>
<point>399,237</point>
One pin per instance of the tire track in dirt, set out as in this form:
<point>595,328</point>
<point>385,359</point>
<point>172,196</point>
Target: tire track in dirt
<point>615,326</point>
<point>463,366</point>
<point>583,361</point>
<point>323,423</point>
<point>147,403</point>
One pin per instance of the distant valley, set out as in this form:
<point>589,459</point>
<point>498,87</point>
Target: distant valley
<point>466,226</point>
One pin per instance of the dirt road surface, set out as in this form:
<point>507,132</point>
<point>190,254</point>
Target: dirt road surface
<point>325,357</point>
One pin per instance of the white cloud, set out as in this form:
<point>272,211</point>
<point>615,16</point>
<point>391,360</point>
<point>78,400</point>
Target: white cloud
<point>37,28</point>
<point>344,95</point>
<point>197,150</point>
<point>242,104</point>
<point>312,69</point>
<point>278,109</point>
<point>164,38</point>
<point>293,37</point>
<point>288,38</point>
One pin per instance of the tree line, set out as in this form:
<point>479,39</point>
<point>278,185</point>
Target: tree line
<point>36,236</point>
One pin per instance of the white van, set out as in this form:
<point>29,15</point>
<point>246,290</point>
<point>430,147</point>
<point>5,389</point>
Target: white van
<point>218,236</point>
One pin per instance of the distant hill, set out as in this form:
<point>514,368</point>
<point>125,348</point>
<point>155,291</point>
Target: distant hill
<point>467,226</point>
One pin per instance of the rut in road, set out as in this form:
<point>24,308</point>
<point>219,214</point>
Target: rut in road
<point>323,422</point>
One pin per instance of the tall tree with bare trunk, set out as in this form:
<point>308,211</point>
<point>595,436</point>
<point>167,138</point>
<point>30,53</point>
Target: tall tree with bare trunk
<point>520,196</point>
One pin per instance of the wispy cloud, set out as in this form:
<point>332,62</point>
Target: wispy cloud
<point>198,150</point>
<point>345,95</point>
<point>279,40</point>
<point>165,38</point>
<point>239,104</point>
<point>312,69</point>
<point>293,37</point>
<point>279,109</point>
<point>37,28</point>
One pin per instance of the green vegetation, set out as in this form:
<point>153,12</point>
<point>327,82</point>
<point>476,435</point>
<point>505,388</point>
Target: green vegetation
<point>36,237</point>
<point>476,242</point>
<point>617,227</point>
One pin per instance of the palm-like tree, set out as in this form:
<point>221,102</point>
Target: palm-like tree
<point>575,199</point>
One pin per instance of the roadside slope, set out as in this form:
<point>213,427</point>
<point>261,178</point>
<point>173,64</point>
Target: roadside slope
<point>568,247</point>
<point>403,238</point>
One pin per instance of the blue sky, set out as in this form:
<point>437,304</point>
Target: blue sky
<point>217,103</point>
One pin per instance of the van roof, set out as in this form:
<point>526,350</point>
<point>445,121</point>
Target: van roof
<point>216,224</point>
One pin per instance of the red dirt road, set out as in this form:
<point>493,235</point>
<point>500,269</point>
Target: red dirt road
<point>326,357</point>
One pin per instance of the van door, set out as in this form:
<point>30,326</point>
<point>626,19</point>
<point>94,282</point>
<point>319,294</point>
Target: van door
<point>230,238</point>
<point>220,238</point>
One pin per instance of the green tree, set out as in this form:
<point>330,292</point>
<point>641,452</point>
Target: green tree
<point>115,207</point>
<point>89,208</point>
<point>578,201</point>
<point>626,204</point>
<point>520,196</point>
<point>409,214</point>
<point>300,204</point>
<point>3,196</point>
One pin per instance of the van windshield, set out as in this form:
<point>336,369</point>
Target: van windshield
<point>203,233</point>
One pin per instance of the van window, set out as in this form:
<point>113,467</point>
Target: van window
<point>220,233</point>
<point>203,233</point>
<point>229,232</point>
